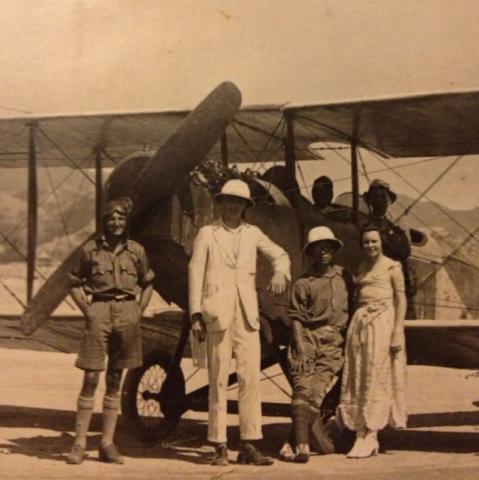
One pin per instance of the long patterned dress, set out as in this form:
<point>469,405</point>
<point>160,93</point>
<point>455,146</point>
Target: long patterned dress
<point>373,385</point>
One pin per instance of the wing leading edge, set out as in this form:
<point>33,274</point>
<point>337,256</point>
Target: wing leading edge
<point>437,124</point>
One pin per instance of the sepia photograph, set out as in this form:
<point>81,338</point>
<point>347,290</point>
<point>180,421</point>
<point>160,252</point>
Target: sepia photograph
<point>239,238</point>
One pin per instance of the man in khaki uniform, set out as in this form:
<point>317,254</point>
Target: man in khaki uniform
<point>224,309</point>
<point>112,285</point>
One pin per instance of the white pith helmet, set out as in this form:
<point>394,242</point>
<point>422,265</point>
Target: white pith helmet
<point>235,188</point>
<point>322,234</point>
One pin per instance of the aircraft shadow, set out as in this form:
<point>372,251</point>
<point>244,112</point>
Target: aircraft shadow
<point>187,442</point>
<point>428,441</point>
<point>44,418</point>
<point>443,419</point>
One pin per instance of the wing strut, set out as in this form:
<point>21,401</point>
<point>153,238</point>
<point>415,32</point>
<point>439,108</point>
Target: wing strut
<point>98,188</point>
<point>355,180</point>
<point>290,149</point>
<point>354,169</point>
<point>32,209</point>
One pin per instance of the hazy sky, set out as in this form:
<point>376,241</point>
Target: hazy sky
<point>108,55</point>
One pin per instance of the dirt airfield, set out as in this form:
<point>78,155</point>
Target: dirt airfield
<point>37,401</point>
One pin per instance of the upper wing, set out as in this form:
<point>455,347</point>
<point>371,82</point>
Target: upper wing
<point>255,135</point>
<point>72,139</point>
<point>437,124</point>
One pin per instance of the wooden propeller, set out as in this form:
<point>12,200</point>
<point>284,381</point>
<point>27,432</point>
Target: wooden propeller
<point>154,182</point>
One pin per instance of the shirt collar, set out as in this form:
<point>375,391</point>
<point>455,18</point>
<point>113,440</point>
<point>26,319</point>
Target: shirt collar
<point>232,230</point>
<point>102,243</point>
<point>331,273</point>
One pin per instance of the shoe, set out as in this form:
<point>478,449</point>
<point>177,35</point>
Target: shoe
<point>76,455</point>
<point>110,454</point>
<point>250,455</point>
<point>365,446</point>
<point>221,455</point>
<point>286,454</point>
<point>302,453</point>
<point>357,447</point>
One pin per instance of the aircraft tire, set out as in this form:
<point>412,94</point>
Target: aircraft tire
<point>151,402</point>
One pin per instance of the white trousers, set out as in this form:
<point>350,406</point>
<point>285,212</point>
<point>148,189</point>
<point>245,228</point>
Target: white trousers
<point>242,342</point>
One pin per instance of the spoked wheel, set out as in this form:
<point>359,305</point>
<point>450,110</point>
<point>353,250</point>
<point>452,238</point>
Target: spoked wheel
<point>152,402</point>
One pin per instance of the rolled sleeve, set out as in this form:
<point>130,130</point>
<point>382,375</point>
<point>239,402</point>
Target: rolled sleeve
<point>78,274</point>
<point>298,306</point>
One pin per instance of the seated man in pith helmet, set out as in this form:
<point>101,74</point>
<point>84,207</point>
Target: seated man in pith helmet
<point>319,311</point>
<point>224,312</point>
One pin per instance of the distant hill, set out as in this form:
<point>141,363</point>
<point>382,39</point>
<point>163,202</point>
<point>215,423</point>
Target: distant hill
<point>449,227</point>
<point>427,213</point>
<point>76,198</point>
<point>69,210</point>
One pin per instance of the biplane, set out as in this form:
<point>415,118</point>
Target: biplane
<point>172,182</point>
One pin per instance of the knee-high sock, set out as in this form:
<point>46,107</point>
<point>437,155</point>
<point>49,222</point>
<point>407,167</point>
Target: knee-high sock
<point>83,418</point>
<point>111,405</point>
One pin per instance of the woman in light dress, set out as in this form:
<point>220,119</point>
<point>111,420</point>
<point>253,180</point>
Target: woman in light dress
<point>372,391</point>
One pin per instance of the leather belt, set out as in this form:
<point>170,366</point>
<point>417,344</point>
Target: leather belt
<point>118,297</point>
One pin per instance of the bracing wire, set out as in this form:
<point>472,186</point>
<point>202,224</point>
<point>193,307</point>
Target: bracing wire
<point>276,384</point>
<point>437,206</point>
<point>13,137</point>
<point>75,200</point>
<point>419,219</point>
<point>19,252</point>
<point>435,182</point>
<point>363,165</point>
<point>389,168</point>
<point>241,137</point>
<point>461,245</point>
<point>6,238</point>
<point>12,294</point>
<point>45,199</point>
<point>270,137</point>
<point>398,167</point>
<point>379,156</point>
<point>65,155</point>
<point>110,157</point>
<point>303,180</point>
<point>57,201</point>
<point>471,235</point>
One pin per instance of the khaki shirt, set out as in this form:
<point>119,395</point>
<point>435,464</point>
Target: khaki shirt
<point>322,300</point>
<point>100,270</point>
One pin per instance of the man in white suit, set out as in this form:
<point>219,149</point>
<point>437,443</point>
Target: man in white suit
<point>224,310</point>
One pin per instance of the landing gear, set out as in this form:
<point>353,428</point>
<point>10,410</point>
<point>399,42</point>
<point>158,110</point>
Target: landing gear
<point>152,402</point>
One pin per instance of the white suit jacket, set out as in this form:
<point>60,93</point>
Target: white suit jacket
<point>215,278</point>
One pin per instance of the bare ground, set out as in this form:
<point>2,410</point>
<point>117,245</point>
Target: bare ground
<point>37,401</point>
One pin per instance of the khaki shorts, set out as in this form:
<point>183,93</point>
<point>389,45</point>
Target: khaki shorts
<point>113,330</point>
